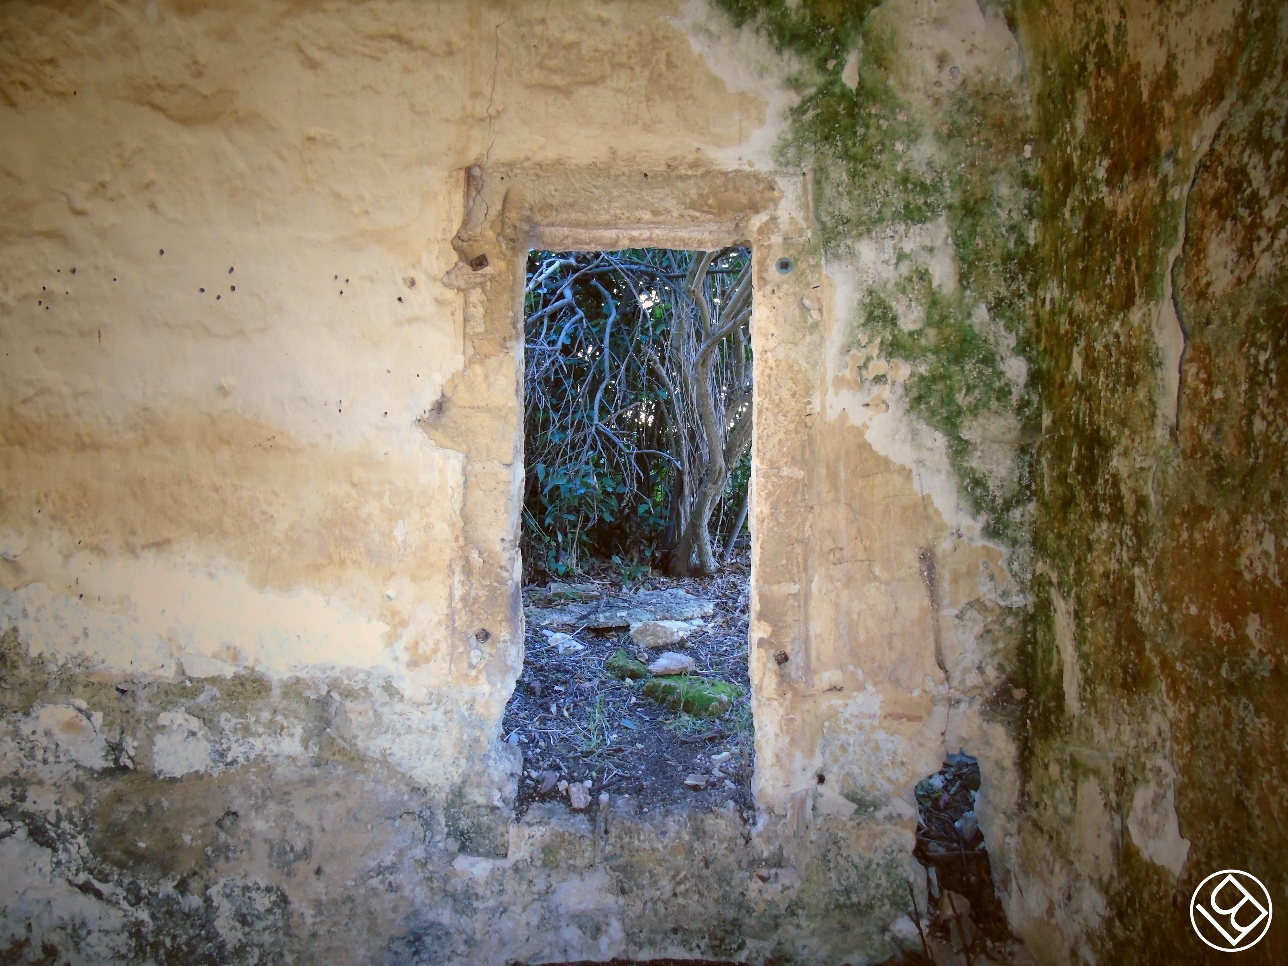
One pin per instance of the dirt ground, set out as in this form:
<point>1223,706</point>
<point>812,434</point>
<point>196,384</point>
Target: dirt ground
<point>570,717</point>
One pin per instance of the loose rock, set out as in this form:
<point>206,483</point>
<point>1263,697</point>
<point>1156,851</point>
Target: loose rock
<point>623,611</point>
<point>579,796</point>
<point>695,782</point>
<point>672,663</point>
<point>582,591</point>
<point>655,634</point>
<point>955,909</point>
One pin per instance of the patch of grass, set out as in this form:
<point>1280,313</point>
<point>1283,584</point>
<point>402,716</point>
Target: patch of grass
<point>739,718</point>
<point>592,733</point>
<point>685,724</point>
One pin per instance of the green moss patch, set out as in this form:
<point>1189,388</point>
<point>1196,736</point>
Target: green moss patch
<point>855,140</point>
<point>699,697</point>
<point>622,665</point>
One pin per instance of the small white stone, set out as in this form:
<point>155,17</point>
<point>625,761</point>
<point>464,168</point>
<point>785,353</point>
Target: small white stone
<point>579,796</point>
<point>695,782</point>
<point>564,643</point>
<point>721,758</point>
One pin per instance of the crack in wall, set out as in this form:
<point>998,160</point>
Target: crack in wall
<point>1170,328</point>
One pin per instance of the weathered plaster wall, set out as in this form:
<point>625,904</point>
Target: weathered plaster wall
<point>1155,755</point>
<point>259,492</point>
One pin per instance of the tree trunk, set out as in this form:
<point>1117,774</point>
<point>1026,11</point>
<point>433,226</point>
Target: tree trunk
<point>722,450</point>
<point>737,525</point>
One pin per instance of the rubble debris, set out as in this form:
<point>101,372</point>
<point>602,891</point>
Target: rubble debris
<point>965,909</point>
<point>695,782</point>
<point>954,909</point>
<point>598,715</point>
<point>667,633</point>
<point>672,663</point>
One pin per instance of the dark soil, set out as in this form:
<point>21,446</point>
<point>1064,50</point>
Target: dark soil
<point>570,717</point>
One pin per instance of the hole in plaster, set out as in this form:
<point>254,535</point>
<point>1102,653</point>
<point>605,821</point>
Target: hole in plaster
<point>635,677</point>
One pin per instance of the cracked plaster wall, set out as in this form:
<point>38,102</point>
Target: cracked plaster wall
<point>259,493</point>
<point>258,553</point>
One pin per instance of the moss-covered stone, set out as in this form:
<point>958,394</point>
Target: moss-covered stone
<point>622,665</point>
<point>700,697</point>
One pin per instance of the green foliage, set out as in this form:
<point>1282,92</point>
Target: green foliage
<point>602,449</point>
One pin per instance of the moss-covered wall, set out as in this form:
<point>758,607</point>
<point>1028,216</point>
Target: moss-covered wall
<point>1071,283</point>
<point>1158,699</point>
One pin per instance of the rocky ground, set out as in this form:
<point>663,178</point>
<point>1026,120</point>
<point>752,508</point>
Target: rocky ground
<point>590,717</point>
<point>587,713</point>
